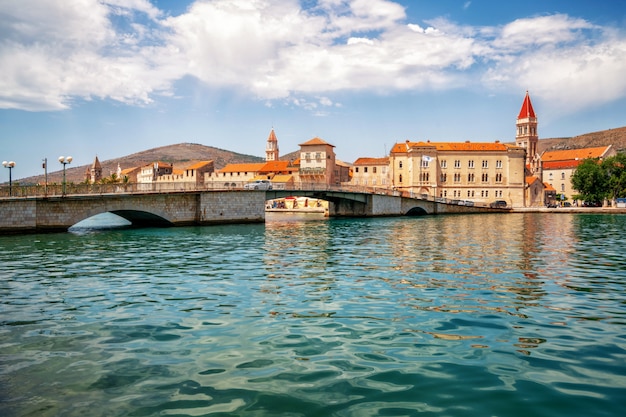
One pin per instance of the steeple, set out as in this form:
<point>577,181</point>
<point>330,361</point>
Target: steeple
<point>271,149</point>
<point>96,171</point>
<point>526,135</point>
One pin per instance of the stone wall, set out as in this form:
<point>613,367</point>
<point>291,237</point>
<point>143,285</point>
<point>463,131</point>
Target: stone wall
<point>231,207</point>
<point>17,215</point>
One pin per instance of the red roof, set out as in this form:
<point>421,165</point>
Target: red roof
<point>574,154</point>
<point>272,137</point>
<point>451,146</point>
<point>527,108</point>
<point>372,161</point>
<point>316,141</point>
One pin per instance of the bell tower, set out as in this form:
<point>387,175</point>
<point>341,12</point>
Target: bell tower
<point>526,136</point>
<point>271,149</point>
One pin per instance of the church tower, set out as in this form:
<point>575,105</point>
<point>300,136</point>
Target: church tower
<point>271,149</point>
<point>96,171</point>
<point>526,136</point>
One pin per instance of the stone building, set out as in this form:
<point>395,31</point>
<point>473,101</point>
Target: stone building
<point>558,166</point>
<point>477,172</point>
<point>371,172</point>
<point>93,174</point>
<point>318,164</point>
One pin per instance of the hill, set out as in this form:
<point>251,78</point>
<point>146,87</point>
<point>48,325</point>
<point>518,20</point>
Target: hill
<point>615,137</point>
<point>181,155</point>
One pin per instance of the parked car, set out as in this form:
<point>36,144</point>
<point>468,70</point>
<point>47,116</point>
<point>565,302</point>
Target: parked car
<point>258,185</point>
<point>498,204</point>
<point>567,204</point>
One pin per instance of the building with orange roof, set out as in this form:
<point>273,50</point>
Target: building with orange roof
<point>526,135</point>
<point>371,172</point>
<point>271,148</point>
<point>558,166</point>
<point>535,192</point>
<point>190,177</point>
<point>234,175</point>
<point>473,171</point>
<point>318,164</point>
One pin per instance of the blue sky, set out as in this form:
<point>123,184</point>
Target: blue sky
<point>114,77</point>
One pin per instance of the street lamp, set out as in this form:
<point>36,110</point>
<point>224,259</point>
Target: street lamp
<point>10,165</point>
<point>64,160</point>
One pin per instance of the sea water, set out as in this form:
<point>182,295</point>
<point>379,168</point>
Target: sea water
<point>458,315</point>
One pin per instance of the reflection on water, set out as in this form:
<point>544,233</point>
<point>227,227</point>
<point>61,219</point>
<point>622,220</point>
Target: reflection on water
<point>504,314</point>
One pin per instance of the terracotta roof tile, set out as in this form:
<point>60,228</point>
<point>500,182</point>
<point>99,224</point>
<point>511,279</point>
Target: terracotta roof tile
<point>574,154</point>
<point>316,141</point>
<point>451,146</point>
<point>372,161</point>
<point>273,166</point>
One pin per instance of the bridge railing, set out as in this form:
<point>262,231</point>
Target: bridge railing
<point>57,190</point>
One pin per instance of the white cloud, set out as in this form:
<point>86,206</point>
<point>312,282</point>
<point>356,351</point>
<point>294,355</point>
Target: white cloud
<point>52,53</point>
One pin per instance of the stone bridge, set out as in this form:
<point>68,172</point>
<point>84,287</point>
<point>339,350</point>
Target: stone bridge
<point>59,213</point>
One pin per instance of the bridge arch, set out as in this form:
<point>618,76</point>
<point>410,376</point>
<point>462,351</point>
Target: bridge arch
<point>416,211</point>
<point>137,217</point>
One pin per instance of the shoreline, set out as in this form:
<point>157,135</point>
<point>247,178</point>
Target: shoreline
<point>595,210</point>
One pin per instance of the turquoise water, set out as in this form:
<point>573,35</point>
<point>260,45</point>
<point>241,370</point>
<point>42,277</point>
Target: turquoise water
<point>469,315</point>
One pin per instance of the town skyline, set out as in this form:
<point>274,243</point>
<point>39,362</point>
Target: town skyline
<point>362,75</point>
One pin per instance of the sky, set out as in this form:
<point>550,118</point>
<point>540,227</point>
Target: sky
<point>109,78</point>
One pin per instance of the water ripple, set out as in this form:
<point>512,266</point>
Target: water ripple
<point>448,316</point>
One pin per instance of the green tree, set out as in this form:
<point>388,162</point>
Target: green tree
<point>614,168</point>
<point>591,181</point>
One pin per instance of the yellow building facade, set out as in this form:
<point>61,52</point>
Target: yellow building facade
<point>474,172</point>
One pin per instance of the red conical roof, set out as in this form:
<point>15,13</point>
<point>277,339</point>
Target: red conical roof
<point>527,108</point>
<point>272,137</point>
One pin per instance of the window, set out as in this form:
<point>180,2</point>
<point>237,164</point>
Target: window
<point>486,193</point>
<point>400,179</point>
<point>307,156</point>
<point>424,176</point>
<point>562,175</point>
<point>374,170</point>
<point>457,163</point>
<point>457,177</point>
<point>470,164</point>
<point>356,169</point>
<point>400,164</point>
<point>499,177</point>
<point>498,164</point>
<point>562,187</point>
<point>318,155</point>
<point>470,177</point>
<point>485,164</point>
<point>444,177</point>
<point>365,170</point>
<point>444,163</point>
<point>445,193</point>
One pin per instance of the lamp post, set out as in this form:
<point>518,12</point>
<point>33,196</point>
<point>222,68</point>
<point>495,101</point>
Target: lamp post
<point>45,170</point>
<point>10,165</point>
<point>64,160</point>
